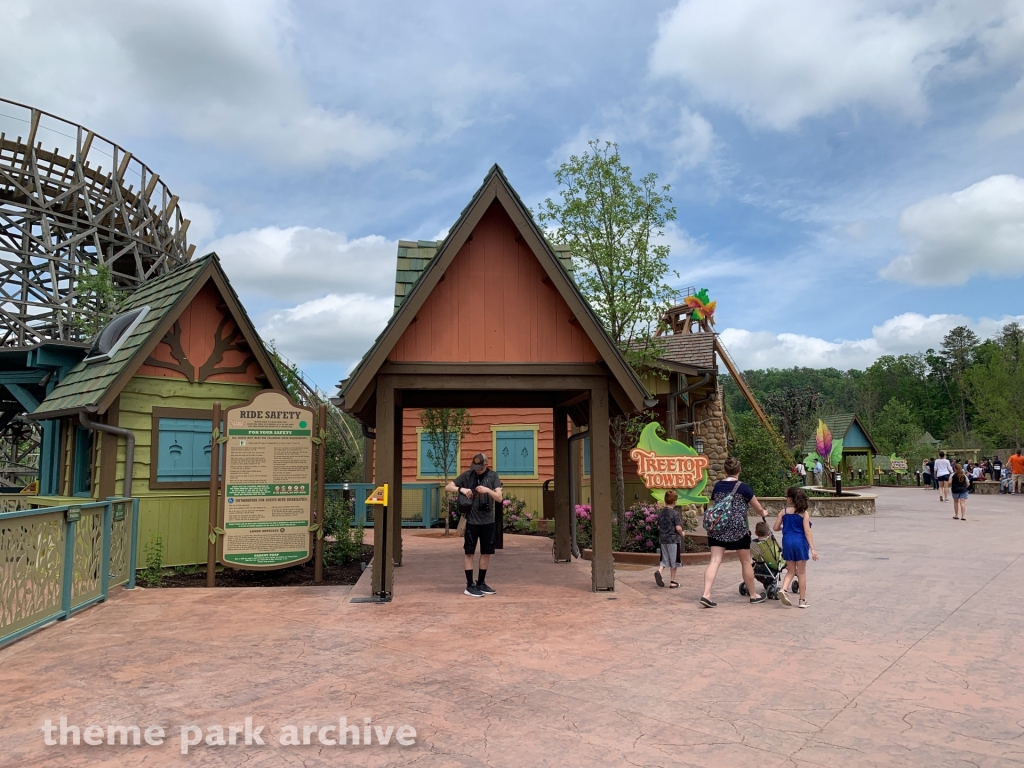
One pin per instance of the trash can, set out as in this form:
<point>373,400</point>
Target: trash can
<point>548,500</point>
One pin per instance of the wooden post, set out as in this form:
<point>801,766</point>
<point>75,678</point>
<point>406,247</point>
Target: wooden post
<point>563,504</point>
<point>321,464</point>
<point>383,570</point>
<point>211,546</point>
<point>395,498</point>
<point>603,565</point>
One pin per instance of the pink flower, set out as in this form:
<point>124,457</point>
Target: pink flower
<point>506,503</point>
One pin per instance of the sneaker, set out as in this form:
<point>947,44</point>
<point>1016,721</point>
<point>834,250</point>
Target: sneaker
<point>658,578</point>
<point>485,589</point>
<point>473,591</point>
<point>784,597</point>
<point>803,603</point>
<point>760,598</point>
<point>706,603</point>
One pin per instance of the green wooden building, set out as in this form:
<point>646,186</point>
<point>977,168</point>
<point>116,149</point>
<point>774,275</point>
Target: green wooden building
<point>182,342</point>
<point>856,440</point>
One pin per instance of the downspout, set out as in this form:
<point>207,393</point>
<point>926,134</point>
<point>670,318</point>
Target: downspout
<point>129,456</point>
<point>575,549</point>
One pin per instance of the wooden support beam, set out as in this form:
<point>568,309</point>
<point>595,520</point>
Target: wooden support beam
<point>602,567</point>
<point>395,502</point>
<point>382,578</point>
<point>563,517</point>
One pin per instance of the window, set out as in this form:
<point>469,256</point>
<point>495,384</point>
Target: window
<point>181,448</point>
<point>429,465</point>
<point>114,335</point>
<point>81,480</point>
<point>586,456</point>
<point>515,450</point>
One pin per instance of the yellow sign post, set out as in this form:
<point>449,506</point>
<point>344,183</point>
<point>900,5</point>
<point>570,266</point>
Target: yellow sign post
<point>379,496</point>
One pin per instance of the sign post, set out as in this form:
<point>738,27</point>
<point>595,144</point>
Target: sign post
<point>268,483</point>
<point>379,498</point>
<point>211,547</point>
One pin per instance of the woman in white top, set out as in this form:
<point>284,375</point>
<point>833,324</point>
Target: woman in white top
<point>943,469</point>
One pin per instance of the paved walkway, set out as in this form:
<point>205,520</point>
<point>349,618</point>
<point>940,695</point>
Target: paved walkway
<point>912,653</point>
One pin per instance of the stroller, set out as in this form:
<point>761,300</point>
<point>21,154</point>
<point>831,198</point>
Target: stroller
<point>768,567</point>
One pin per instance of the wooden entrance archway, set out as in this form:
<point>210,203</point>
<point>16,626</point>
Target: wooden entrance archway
<point>495,321</point>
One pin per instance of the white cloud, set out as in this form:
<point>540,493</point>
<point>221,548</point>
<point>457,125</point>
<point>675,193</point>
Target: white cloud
<point>222,72</point>
<point>333,328</point>
<point>777,62</point>
<point>904,334</point>
<point>1009,118</point>
<point>300,262</point>
<point>952,237</point>
<point>696,139</point>
<point>203,222</point>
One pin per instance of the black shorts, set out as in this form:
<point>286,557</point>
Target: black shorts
<point>730,546</point>
<point>484,533</point>
<point>943,478</point>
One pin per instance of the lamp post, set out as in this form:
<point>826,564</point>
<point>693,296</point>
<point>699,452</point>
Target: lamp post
<point>839,483</point>
<point>698,444</point>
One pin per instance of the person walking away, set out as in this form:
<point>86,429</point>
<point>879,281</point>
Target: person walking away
<point>670,530</point>
<point>926,472</point>
<point>931,471</point>
<point>729,530</point>
<point>943,469</point>
<point>478,488</point>
<point>1016,463</point>
<point>997,468</point>
<point>960,483</point>
<point>797,542</point>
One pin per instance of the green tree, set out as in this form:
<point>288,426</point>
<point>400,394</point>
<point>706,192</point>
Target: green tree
<point>765,466</point>
<point>793,409</point>
<point>96,301</point>
<point>958,348</point>
<point>995,385</point>
<point>445,428</point>
<point>612,224</point>
<point>896,428</point>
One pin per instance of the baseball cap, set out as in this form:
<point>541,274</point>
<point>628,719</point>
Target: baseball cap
<point>480,460</point>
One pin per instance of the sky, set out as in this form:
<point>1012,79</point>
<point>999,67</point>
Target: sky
<point>848,176</point>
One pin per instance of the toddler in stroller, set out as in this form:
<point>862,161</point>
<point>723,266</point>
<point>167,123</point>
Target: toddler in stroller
<point>766,555</point>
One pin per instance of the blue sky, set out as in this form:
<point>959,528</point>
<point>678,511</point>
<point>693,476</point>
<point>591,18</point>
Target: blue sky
<point>848,175</point>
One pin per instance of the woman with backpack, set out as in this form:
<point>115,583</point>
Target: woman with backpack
<point>729,531</point>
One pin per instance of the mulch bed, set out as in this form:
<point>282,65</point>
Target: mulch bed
<point>296,576</point>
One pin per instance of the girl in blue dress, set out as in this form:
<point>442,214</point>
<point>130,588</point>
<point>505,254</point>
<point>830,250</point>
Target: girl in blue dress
<point>797,542</point>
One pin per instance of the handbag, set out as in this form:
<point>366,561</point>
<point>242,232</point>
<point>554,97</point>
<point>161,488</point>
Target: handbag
<point>716,518</point>
<point>465,505</point>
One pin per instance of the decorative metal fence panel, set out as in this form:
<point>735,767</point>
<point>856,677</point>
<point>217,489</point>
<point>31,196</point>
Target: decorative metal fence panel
<point>420,502</point>
<point>58,560</point>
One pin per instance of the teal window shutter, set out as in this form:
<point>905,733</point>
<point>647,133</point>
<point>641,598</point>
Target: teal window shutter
<point>515,453</point>
<point>81,484</point>
<point>184,450</point>
<point>586,456</point>
<point>430,465</point>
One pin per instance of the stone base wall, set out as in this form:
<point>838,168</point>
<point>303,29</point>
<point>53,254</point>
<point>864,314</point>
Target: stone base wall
<point>986,487</point>
<point>712,431</point>
<point>820,506</point>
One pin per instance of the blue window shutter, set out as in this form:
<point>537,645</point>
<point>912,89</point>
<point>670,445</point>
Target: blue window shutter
<point>430,465</point>
<point>586,455</point>
<point>184,455</point>
<point>515,452</point>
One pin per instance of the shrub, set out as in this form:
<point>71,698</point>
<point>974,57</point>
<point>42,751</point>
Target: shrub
<point>343,542</point>
<point>516,519</point>
<point>153,574</point>
<point>641,527</point>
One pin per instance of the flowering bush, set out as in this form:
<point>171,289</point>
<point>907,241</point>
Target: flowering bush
<point>516,518</point>
<point>641,527</point>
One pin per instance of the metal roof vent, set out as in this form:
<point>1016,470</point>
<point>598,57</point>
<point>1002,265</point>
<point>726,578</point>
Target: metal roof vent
<point>115,334</point>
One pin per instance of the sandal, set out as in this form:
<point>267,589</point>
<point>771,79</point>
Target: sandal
<point>673,585</point>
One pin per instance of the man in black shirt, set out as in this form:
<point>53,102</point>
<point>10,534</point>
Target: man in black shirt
<point>478,488</point>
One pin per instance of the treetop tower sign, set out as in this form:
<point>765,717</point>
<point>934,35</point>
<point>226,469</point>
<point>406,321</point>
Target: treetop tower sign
<point>670,465</point>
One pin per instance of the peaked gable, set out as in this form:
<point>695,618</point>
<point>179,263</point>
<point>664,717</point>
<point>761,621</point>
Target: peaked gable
<point>93,387</point>
<point>495,304</point>
<point>495,190</point>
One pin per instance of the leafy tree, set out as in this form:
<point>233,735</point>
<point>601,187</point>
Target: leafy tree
<point>96,301</point>
<point>793,409</point>
<point>896,428</point>
<point>957,354</point>
<point>611,223</point>
<point>445,428</point>
<point>765,466</point>
<point>995,385</point>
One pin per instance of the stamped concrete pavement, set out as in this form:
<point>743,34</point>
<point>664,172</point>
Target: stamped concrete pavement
<point>912,653</point>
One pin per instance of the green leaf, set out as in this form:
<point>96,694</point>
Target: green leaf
<point>222,439</point>
<point>213,538</point>
<point>837,452</point>
<point>316,440</point>
<point>314,527</point>
<point>219,531</point>
<point>320,533</point>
